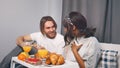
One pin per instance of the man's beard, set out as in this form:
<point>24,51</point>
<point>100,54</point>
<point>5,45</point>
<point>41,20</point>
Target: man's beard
<point>51,35</point>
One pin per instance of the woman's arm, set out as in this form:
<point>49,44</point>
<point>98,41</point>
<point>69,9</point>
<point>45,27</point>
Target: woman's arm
<point>79,59</point>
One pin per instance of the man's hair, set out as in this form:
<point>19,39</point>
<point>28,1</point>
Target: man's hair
<point>44,20</point>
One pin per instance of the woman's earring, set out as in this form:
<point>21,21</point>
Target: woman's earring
<point>74,27</point>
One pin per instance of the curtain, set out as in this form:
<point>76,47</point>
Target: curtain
<point>102,14</point>
<point>112,22</point>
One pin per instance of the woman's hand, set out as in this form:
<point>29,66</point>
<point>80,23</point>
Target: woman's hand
<point>75,47</point>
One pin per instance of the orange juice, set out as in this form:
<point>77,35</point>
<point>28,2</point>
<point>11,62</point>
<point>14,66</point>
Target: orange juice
<point>27,48</point>
<point>42,53</point>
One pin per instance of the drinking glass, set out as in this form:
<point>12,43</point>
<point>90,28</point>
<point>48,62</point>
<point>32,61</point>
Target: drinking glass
<point>43,54</point>
<point>26,47</point>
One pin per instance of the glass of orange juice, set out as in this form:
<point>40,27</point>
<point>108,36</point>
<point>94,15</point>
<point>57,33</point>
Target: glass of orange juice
<point>27,47</point>
<point>43,54</point>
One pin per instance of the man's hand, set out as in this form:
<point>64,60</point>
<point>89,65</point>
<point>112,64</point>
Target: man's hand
<point>38,46</point>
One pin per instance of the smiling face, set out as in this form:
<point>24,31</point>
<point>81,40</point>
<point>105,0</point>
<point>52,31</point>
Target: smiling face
<point>49,29</point>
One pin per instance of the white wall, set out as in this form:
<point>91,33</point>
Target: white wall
<point>19,17</point>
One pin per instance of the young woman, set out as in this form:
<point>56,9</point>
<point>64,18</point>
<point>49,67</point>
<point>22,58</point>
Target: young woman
<point>81,45</point>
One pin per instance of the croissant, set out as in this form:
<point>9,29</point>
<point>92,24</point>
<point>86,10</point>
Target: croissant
<point>48,61</point>
<point>60,60</point>
<point>54,58</point>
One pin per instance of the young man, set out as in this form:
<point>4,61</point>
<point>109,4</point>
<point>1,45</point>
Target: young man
<point>47,38</point>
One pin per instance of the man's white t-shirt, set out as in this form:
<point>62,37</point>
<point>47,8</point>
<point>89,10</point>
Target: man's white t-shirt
<point>53,45</point>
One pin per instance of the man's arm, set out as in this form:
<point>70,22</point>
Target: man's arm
<point>21,39</point>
